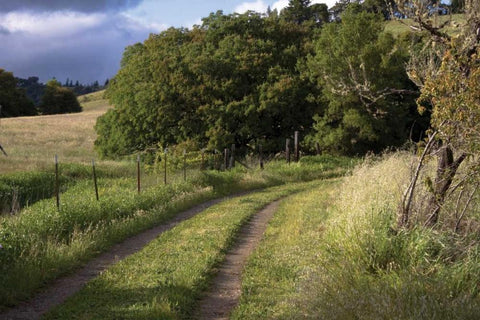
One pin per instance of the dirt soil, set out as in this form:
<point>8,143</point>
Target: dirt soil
<point>65,287</point>
<point>225,291</point>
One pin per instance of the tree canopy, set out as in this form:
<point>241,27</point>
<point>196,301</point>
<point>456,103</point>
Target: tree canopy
<point>234,79</point>
<point>244,78</point>
<point>370,98</point>
<point>13,100</point>
<point>58,99</point>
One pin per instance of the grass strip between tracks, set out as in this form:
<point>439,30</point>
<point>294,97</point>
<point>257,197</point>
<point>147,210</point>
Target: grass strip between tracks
<point>166,278</point>
<point>289,250</point>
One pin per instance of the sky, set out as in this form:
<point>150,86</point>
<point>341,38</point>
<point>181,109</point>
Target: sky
<point>84,39</point>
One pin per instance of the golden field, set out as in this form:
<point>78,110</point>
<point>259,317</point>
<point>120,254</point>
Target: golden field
<point>32,142</point>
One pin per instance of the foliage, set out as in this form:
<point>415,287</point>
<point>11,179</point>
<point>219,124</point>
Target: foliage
<point>370,98</point>
<point>333,253</point>
<point>58,99</point>
<point>449,76</point>
<point>13,100</point>
<point>233,79</point>
<point>302,11</point>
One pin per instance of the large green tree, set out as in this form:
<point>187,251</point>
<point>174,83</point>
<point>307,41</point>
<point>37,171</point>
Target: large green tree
<point>370,98</point>
<point>233,79</point>
<point>13,100</point>
<point>58,99</point>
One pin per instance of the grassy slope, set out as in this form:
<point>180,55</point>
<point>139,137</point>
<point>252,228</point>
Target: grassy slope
<point>347,261</point>
<point>32,142</point>
<point>398,27</point>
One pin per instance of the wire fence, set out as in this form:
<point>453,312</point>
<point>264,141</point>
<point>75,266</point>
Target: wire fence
<point>19,190</point>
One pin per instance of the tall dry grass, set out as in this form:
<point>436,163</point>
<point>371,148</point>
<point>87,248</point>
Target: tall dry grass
<point>370,269</point>
<point>32,142</point>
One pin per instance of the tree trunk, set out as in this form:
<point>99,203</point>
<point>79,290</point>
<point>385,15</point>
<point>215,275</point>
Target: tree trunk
<point>446,170</point>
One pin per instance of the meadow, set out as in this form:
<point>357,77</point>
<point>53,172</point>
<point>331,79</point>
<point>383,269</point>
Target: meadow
<point>41,242</point>
<point>333,249</point>
<point>32,142</point>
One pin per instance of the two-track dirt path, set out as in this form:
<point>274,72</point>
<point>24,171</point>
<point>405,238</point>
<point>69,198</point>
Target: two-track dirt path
<point>65,287</point>
<point>218,301</point>
<point>225,291</point>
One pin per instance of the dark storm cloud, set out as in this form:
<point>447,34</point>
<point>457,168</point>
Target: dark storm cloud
<point>73,5</point>
<point>87,55</point>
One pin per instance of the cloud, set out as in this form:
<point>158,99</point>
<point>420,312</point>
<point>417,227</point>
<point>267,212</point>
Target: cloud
<point>50,24</point>
<point>261,6</point>
<point>3,30</point>
<point>87,6</point>
<point>257,6</point>
<point>279,5</point>
<point>79,46</point>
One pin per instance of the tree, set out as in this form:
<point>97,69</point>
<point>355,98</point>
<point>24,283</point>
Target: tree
<point>450,80</point>
<point>58,99</point>
<point>234,79</point>
<point>301,11</point>
<point>13,100</point>
<point>370,99</point>
<point>457,6</point>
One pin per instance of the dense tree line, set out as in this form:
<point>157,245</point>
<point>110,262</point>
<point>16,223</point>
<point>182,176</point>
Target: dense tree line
<point>51,98</point>
<point>250,78</point>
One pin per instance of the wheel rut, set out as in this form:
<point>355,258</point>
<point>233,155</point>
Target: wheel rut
<point>62,288</point>
<point>225,291</point>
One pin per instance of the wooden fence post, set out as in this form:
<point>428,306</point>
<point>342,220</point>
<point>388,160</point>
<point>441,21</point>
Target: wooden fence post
<point>95,179</point>
<point>317,147</point>
<point>225,158</point>
<point>260,151</point>
<point>57,183</point>
<point>138,173</point>
<point>165,167</point>
<point>184,165</point>
<point>287,150</point>
<point>232,157</point>
<point>296,150</point>
<point>202,166</point>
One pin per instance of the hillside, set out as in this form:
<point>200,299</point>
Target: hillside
<point>398,27</point>
<point>32,142</point>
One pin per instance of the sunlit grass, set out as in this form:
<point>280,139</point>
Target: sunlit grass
<point>165,279</point>
<point>452,26</point>
<point>32,142</point>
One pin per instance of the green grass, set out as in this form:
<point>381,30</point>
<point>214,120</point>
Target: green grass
<point>41,243</point>
<point>288,252</point>
<point>165,279</point>
<point>335,253</point>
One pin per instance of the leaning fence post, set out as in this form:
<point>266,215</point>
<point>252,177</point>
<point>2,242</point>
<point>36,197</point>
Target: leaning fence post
<point>138,173</point>
<point>95,179</point>
<point>57,183</point>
